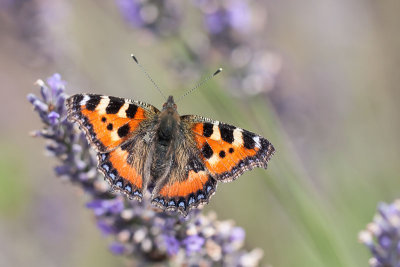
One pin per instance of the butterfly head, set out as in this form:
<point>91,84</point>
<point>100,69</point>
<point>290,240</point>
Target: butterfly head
<point>170,104</point>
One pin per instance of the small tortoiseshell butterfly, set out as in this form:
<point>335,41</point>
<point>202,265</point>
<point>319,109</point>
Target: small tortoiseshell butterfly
<point>179,159</point>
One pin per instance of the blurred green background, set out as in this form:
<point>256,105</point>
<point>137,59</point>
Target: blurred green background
<point>332,115</point>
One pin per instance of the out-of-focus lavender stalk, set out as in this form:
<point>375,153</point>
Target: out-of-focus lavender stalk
<point>141,231</point>
<point>382,236</point>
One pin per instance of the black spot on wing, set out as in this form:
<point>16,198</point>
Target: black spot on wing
<point>131,111</point>
<point>195,165</point>
<point>92,103</point>
<point>248,139</point>
<point>207,129</point>
<point>226,132</point>
<point>110,127</point>
<point>123,130</point>
<point>207,151</point>
<point>114,105</point>
<point>222,154</point>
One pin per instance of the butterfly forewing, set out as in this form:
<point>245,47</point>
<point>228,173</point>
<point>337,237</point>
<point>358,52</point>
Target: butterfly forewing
<point>110,123</point>
<point>107,121</point>
<point>228,151</point>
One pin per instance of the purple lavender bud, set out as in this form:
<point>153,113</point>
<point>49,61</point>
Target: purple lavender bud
<point>239,15</point>
<point>40,106</point>
<point>32,98</point>
<point>232,15</point>
<point>117,248</point>
<point>56,84</point>
<point>95,204</point>
<point>383,234</point>
<point>193,243</point>
<point>385,241</point>
<point>45,93</point>
<point>62,170</point>
<point>101,207</point>
<point>105,228</point>
<point>76,148</point>
<point>53,117</point>
<point>60,103</point>
<point>159,17</point>
<point>115,206</point>
<point>237,234</point>
<point>80,164</point>
<point>216,22</point>
<point>172,245</point>
<point>130,10</point>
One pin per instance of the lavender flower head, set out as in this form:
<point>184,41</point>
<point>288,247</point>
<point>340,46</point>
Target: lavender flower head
<point>141,232</point>
<point>382,236</point>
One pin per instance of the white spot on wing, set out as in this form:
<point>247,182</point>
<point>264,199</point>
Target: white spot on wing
<point>114,136</point>
<point>257,141</point>
<point>101,107</point>
<point>214,159</point>
<point>237,137</point>
<point>84,100</point>
<point>216,135</point>
<point>122,111</point>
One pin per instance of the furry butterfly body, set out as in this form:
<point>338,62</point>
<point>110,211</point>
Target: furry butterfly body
<point>179,159</point>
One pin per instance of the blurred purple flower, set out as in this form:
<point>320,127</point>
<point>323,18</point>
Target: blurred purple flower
<point>232,15</point>
<point>162,18</point>
<point>193,243</point>
<point>53,117</point>
<point>382,236</point>
<point>117,248</point>
<point>141,231</point>
<point>105,228</point>
<point>172,245</point>
<point>130,10</point>
<point>56,84</point>
<point>101,207</point>
<point>237,234</point>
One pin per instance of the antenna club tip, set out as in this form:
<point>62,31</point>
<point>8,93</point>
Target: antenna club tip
<point>218,71</point>
<point>134,58</point>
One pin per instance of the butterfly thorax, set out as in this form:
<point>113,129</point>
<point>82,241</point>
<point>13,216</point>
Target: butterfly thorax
<point>166,134</point>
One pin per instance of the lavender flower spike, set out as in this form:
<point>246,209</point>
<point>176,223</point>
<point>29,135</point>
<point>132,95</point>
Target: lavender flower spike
<point>141,231</point>
<point>382,236</point>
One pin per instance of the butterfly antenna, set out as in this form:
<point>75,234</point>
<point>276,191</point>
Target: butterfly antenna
<point>200,84</point>
<point>148,76</point>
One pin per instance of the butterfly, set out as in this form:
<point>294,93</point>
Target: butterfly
<point>179,159</point>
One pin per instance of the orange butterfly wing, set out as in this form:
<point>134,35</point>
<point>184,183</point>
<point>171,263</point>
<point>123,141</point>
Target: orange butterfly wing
<point>109,123</point>
<point>209,151</point>
<point>228,151</point>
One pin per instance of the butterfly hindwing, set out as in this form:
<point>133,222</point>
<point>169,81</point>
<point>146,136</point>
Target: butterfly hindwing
<point>228,151</point>
<point>188,184</point>
<point>121,173</point>
<point>187,190</point>
<point>107,121</point>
